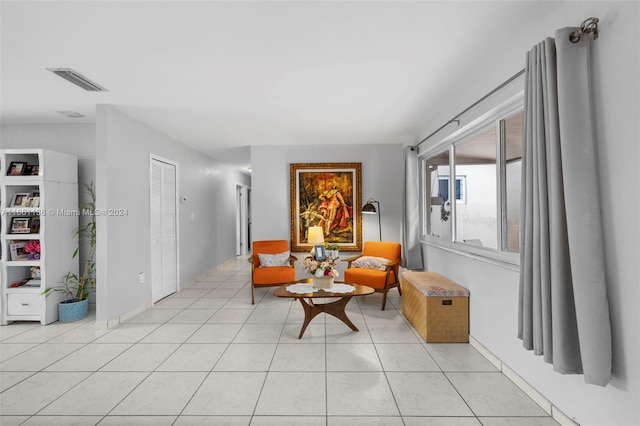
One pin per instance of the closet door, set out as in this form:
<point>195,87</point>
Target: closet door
<point>164,250</point>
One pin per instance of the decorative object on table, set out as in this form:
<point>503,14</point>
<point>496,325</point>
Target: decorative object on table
<point>77,287</point>
<point>369,208</point>
<point>332,249</point>
<point>303,288</point>
<point>326,195</point>
<point>322,272</point>
<point>32,248</point>
<point>315,237</point>
<point>376,267</point>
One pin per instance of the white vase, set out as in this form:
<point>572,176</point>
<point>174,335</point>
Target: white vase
<point>322,282</point>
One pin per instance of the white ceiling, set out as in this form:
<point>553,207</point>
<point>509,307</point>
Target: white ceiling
<point>220,76</point>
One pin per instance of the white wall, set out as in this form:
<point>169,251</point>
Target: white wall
<point>206,230</point>
<point>494,289</point>
<point>75,139</point>
<point>382,174</point>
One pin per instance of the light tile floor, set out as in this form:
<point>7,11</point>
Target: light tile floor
<point>206,356</point>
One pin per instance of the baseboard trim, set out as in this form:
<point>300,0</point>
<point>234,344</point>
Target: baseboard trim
<point>536,396</point>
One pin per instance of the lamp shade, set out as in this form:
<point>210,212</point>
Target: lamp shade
<point>315,235</point>
<point>369,208</point>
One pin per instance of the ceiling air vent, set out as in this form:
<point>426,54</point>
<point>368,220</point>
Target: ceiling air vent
<point>77,79</point>
<point>70,114</point>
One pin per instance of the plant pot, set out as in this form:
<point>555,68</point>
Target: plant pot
<point>69,311</point>
<point>322,282</point>
<point>334,254</point>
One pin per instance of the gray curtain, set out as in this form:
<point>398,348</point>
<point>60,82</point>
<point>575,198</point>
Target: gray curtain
<point>563,306</point>
<point>411,247</point>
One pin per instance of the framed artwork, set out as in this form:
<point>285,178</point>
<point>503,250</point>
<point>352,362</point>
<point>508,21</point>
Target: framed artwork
<point>328,195</point>
<point>21,225</point>
<point>17,168</point>
<point>18,199</point>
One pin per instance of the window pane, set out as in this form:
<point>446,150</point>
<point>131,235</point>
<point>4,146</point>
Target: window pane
<point>477,218</point>
<point>438,211</point>
<point>513,157</point>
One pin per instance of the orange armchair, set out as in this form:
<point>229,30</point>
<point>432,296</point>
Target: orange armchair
<point>276,271</point>
<point>376,267</point>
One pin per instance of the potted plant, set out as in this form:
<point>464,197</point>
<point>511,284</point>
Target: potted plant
<point>332,250</point>
<point>78,287</point>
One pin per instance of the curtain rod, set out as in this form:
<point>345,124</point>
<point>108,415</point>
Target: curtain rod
<point>455,119</point>
<point>589,25</point>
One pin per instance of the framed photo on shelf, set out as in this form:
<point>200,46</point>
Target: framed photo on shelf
<point>35,225</point>
<point>328,195</point>
<point>18,199</point>
<point>21,225</point>
<point>17,168</point>
<point>35,170</point>
<point>17,250</point>
<point>31,202</point>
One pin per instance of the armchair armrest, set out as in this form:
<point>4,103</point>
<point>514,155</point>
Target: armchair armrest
<point>292,259</point>
<point>351,259</point>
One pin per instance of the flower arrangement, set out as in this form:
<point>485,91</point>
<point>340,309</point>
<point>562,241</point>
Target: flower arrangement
<point>33,246</point>
<point>321,268</point>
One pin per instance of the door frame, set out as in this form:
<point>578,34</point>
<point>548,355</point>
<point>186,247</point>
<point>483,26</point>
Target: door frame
<point>243,219</point>
<point>152,158</point>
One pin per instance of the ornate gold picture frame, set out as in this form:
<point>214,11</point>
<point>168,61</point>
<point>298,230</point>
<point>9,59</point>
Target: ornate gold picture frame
<point>328,195</point>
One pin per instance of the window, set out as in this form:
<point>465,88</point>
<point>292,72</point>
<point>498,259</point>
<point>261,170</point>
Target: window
<point>486,162</point>
<point>438,167</point>
<point>461,189</point>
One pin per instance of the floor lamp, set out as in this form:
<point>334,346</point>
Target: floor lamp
<point>369,208</point>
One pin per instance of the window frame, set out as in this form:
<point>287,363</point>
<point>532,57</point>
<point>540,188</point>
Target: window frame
<point>463,187</point>
<point>493,116</point>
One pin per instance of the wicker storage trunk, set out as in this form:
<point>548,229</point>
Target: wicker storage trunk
<point>437,307</point>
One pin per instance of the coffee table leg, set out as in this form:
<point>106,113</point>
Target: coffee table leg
<point>310,312</point>
<point>337,309</point>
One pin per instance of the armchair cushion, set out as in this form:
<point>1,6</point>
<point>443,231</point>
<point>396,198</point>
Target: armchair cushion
<point>370,277</point>
<point>370,262</point>
<point>274,260</point>
<point>274,275</point>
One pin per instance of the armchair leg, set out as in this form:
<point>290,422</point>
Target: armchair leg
<point>384,298</point>
<point>252,296</point>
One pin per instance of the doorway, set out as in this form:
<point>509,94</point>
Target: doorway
<point>243,220</point>
<point>164,240</point>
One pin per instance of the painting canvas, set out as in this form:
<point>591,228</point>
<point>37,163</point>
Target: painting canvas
<point>328,195</point>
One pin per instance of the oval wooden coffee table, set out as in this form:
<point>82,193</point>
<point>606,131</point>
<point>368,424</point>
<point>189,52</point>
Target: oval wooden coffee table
<point>335,308</point>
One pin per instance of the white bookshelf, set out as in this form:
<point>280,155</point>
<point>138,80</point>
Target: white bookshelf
<point>56,184</point>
